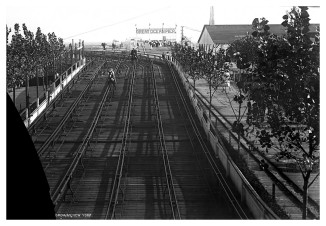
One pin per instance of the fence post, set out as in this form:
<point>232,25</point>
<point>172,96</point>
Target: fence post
<point>216,123</point>
<point>229,137</point>
<point>26,114</point>
<point>61,82</point>
<point>228,168</point>
<point>243,193</point>
<point>273,191</point>
<point>47,96</point>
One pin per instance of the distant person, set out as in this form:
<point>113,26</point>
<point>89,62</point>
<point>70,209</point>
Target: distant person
<point>112,79</point>
<point>227,79</point>
<point>133,54</point>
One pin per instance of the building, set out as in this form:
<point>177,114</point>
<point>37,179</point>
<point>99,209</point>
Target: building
<point>224,35</point>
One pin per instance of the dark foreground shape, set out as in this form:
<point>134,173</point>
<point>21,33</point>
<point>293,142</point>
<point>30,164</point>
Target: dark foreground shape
<point>27,187</point>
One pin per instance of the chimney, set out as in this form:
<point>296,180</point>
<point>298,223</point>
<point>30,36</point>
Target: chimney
<point>211,16</point>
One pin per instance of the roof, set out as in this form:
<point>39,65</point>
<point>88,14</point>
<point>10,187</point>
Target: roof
<point>221,34</point>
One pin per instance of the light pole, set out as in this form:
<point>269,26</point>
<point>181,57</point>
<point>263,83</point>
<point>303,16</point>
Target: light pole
<point>162,32</point>
<point>136,30</point>
<point>149,31</point>
<point>175,31</point>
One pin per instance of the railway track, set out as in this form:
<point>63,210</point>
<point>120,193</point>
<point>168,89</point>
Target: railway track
<point>64,104</point>
<point>137,154</point>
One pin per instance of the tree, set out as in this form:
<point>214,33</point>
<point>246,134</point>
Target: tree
<point>284,93</point>
<point>213,67</point>
<point>10,78</point>
<point>26,53</point>
<point>15,59</point>
<point>239,98</point>
<point>260,27</point>
<point>190,60</point>
<point>41,48</point>
<point>195,64</point>
<point>243,51</point>
<point>31,60</point>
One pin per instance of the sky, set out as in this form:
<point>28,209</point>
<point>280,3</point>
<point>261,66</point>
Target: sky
<point>103,21</point>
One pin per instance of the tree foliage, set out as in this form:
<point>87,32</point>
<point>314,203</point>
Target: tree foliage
<point>26,52</point>
<point>284,93</point>
<point>199,63</point>
<point>285,85</point>
<point>280,80</point>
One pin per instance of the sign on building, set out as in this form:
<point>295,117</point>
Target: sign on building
<point>156,31</point>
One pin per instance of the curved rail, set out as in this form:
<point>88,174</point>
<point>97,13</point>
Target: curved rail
<point>237,207</point>
<point>167,168</point>
<point>67,115</point>
<point>31,128</point>
<point>59,190</point>
<point>110,213</point>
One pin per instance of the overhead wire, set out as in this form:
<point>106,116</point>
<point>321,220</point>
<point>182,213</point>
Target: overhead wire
<point>191,28</point>
<point>119,22</point>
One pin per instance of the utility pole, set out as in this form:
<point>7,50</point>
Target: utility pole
<point>149,31</point>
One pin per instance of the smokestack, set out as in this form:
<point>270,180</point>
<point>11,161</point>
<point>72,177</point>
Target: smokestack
<point>211,16</point>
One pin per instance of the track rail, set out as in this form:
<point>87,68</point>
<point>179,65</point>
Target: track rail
<point>167,168</point>
<point>232,199</point>
<point>41,117</point>
<point>134,155</point>
<point>110,213</point>
<point>67,115</point>
<point>64,182</point>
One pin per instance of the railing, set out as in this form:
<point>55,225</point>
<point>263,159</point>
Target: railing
<point>248,195</point>
<point>208,155</point>
<point>64,182</point>
<point>67,114</point>
<point>38,105</point>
